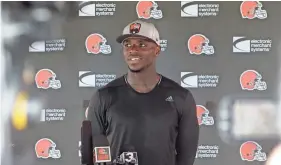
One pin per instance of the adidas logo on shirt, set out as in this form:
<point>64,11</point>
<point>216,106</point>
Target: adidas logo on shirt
<point>170,98</point>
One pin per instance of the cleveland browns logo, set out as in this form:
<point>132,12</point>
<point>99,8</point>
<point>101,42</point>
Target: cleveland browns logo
<point>135,27</point>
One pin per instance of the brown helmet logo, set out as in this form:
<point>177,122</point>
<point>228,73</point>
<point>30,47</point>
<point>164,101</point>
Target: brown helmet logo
<point>135,27</point>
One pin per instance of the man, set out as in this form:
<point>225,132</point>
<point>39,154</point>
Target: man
<point>275,156</point>
<point>143,109</point>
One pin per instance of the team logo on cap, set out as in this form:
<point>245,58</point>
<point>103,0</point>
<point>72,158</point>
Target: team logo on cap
<point>148,9</point>
<point>135,27</point>
<point>96,43</point>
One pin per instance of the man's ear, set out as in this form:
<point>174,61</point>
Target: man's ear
<point>158,50</point>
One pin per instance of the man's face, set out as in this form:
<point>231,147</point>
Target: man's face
<point>139,53</point>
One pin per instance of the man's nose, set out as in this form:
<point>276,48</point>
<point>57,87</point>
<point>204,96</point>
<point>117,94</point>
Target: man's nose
<point>134,49</point>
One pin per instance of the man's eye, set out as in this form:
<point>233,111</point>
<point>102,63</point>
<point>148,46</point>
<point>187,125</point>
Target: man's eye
<point>140,45</point>
<point>127,45</point>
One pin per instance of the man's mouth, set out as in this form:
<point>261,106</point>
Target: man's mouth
<point>135,59</point>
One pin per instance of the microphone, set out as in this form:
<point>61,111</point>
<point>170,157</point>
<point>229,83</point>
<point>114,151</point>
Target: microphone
<point>129,156</point>
<point>86,143</point>
<point>101,150</point>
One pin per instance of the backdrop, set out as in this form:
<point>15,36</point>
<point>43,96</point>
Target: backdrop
<point>235,38</point>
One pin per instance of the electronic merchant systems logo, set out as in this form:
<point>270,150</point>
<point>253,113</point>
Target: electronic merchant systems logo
<point>198,9</point>
<point>91,79</point>
<point>47,46</point>
<point>192,80</point>
<point>207,151</point>
<point>48,115</point>
<point>90,8</point>
<point>163,45</point>
<point>242,44</point>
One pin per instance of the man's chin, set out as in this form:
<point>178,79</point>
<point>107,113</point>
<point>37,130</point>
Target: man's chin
<point>135,70</point>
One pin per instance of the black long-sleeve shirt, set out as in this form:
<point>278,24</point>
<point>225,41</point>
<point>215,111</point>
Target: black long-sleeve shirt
<point>161,125</point>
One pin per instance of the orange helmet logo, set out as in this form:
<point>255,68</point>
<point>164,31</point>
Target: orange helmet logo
<point>203,116</point>
<point>46,148</point>
<point>102,154</point>
<point>199,44</point>
<point>101,151</point>
<point>252,9</point>
<point>46,78</point>
<point>96,43</point>
<point>148,9</point>
<point>250,151</point>
<point>252,80</point>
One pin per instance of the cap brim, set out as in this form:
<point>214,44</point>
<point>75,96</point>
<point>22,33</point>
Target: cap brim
<point>121,38</point>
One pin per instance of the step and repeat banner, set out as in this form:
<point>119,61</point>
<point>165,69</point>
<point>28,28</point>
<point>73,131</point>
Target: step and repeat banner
<point>214,49</point>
